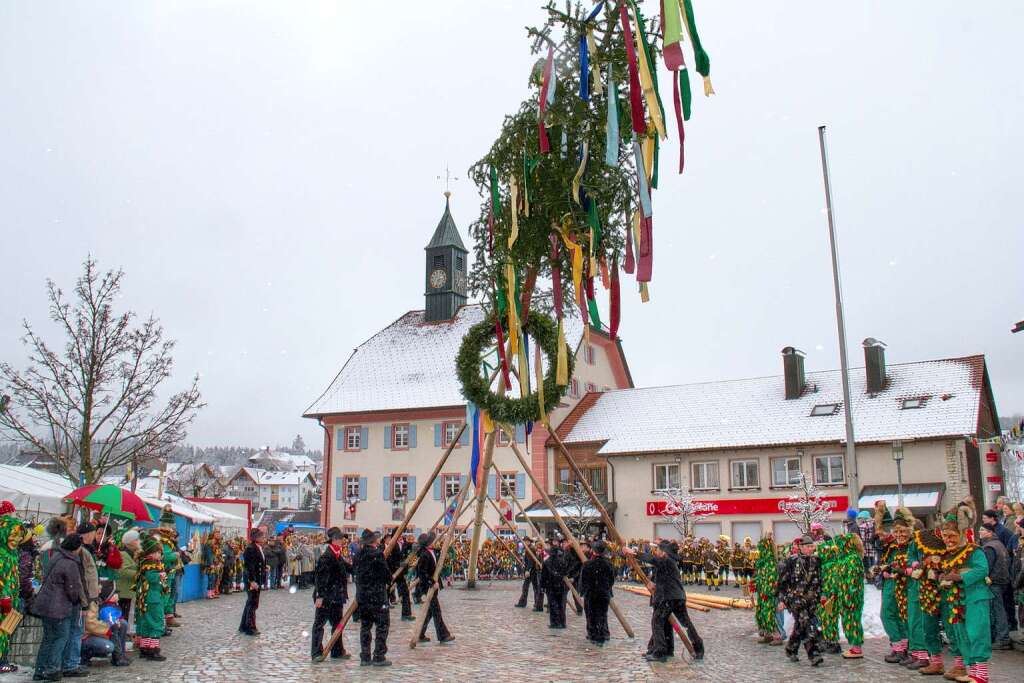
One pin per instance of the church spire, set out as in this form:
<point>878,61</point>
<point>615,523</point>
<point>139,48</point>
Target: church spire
<point>446,268</point>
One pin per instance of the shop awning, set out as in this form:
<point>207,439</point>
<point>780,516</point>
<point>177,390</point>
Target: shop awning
<point>922,499</point>
<point>541,511</point>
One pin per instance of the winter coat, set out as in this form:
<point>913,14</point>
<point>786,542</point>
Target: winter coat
<point>552,573</point>
<point>126,574</point>
<point>998,561</point>
<point>61,592</point>
<point>92,578</point>
<point>372,577</point>
<point>255,564</point>
<point>93,625</point>
<point>331,578</point>
<point>667,585</point>
<point>426,564</point>
<point>597,578</point>
<point>26,565</point>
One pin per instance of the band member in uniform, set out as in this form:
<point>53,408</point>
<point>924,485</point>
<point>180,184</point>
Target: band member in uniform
<point>255,562</point>
<point>552,578</point>
<point>799,592</point>
<point>398,557</point>
<point>596,580</point>
<point>425,575</point>
<point>372,582</point>
<point>330,591</point>
<point>532,579</point>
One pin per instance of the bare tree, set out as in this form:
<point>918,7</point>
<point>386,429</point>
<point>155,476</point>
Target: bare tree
<point>681,509</point>
<point>578,512</point>
<point>92,406</point>
<point>193,480</point>
<point>806,506</point>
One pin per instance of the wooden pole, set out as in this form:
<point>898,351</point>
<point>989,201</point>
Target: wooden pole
<point>350,610</point>
<point>565,531</point>
<point>610,526</point>
<point>481,495</point>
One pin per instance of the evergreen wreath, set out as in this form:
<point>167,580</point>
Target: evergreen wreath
<point>476,388</point>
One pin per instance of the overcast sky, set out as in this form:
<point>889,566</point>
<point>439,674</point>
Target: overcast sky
<point>266,173</point>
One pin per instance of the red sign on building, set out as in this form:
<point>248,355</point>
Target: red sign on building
<point>740,506</point>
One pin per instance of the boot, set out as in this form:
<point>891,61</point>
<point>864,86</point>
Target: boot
<point>764,640</point>
<point>832,648</point>
<point>933,669</point>
<point>777,640</point>
<point>155,656</point>
<point>893,657</point>
<point>855,652</point>
<point>956,673</point>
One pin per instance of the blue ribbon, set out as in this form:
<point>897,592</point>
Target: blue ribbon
<point>611,143</point>
<point>645,192</point>
<point>584,68</point>
<point>474,463</point>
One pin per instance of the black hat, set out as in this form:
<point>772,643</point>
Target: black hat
<point>107,588</point>
<point>368,536</point>
<point>85,528</point>
<point>426,539</point>
<point>71,543</point>
<point>806,538</point>
<point>334,533</point>
<point>599,547</point>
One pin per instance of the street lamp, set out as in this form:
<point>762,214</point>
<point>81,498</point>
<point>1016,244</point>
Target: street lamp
<point>897,455</point>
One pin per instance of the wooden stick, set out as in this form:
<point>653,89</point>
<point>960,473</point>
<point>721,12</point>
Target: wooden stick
<point>568,534</point>
<point>350,610</point>
<point>610,526</point>
<point>481,494</point>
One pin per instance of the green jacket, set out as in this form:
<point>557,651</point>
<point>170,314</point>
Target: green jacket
<point>126,574</point>
<point>974,573</point>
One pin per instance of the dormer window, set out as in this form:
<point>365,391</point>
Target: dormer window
<point>913,403</point>
<point>823,409</point>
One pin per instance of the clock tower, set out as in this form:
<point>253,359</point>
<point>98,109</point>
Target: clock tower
<point>446,269</point>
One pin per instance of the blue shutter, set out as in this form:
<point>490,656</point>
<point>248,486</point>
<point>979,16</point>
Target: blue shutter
<point>464,441</point>
<point>437,489</point>
<point>412,436</point>
<point>412,488</point>
<point>387,488</point>
<point>339,488</point>
<point>520,434</point>
<point>437,434</point>
<point>492,485</point>
<point>463,480</point>
<point>364,438</point>
<point>521,485</point>
<point>362,488</point>
<point>489,534</point>
<point>339,439</point>
<point>387,437</point>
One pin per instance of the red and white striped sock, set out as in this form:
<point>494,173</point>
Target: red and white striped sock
<point>958,662</point>
<point>979,672</point>
<point>920,655</point>
<point>899,646</point>
<point>935,659</point>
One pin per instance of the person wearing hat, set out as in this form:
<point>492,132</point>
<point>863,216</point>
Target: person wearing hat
<point>723,557</point>
<point>255,561</point>
<point>766,577</point>
<point>799,592</point>
<point>892,570</point>
<point>330,591</point>
<point>398,557</point>
<point>372,581</point>
<point>842,593</point>
<point>709,560</point>
<point>532,579</point>
<point>150,593</point>
<point>105,628</point>
<point>131,544</point>
<point>552,579</point>
<point>426,567</point>
<point>668,599</point>
<point>596,580</point>
<point>964,607</point>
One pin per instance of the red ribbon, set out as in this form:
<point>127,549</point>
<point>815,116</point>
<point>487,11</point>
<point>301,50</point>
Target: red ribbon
<point>679,116</point>
<point>636,101</point>
<point>645,250</point>
<point>542,105</point>
<point>556,277</point>
<point>501,352</point>
<point>613,301</point>
<point>630,264</point>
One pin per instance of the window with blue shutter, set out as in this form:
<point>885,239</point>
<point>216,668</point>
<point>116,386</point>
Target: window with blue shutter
<point>438,428</point>
<point>412,436</point>
<point>362,488</point>
<point>464,439</point>
<point>387,437</point>
<point>339,439</point>
<point>463,480</point>
<point>520,485</point>
<point>520,434</point>
<point>339,488</point>
<point>387,488</point>
<point>364,441</point>
<point>412,487</point>
<point>492,485</point>
<point>437,488</point>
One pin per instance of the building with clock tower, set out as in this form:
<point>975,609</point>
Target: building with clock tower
<point>447,265</point>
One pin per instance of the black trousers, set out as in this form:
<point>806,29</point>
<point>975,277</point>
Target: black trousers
<point>369,618</point>
<point>126,607</point>
<point>252,603</point>
<point>532,580</point>
<point>662,638</point>
<point>556,608</point>
<point>330,612</point>
<point>434,613</point>
<point>402,586</point>
<point>596,609</point>
<point>805,628</point>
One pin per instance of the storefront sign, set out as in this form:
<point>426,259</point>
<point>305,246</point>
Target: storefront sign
<point>994,479</point>
<point>991,457</point>
<point>740,506</point>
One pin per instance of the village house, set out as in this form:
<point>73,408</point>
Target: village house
<point>267,489</point>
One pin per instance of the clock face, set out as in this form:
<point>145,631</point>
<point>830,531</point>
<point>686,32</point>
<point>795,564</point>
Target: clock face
<point>438,278</point>
<point>460,282</point>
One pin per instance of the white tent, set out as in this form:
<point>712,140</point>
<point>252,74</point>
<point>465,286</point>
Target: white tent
<point>35,493</point>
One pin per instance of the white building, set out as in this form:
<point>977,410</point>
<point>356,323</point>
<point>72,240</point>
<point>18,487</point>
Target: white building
<point>280,460</point>
<point>268,489</point>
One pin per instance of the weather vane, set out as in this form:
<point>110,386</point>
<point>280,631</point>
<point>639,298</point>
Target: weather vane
<point>448,178</point>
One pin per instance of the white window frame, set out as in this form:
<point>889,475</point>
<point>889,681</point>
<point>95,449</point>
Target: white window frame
<point>666,467</point>
<point>352,484</point>
<point>399,481</point>
<point>508,534</point>
<point>791,475</point>
<point>831,460</point>
<point>824,409</point>
<point>400,436</point>
<point>353,435</point>
<point>574,388</point>
<point>449,431</point>
<point>733,480</point>
<point>706,467</point>
<point>508,485</point>
<point>452,484</point>
<point>589,354</point>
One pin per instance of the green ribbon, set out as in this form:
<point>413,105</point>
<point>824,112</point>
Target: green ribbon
<point>684,93</point>
<point>495,198</point>
<point>703,64</point>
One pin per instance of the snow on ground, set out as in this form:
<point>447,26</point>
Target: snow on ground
<point>872,619</point>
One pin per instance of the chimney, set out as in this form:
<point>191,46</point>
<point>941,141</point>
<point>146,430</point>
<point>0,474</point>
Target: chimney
<point>793,365</point>
<point>874,362</point>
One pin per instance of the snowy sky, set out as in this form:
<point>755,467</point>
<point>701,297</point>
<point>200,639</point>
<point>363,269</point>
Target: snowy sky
<point>266,173</point>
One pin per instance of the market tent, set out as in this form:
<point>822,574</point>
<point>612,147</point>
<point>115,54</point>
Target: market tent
<point>35,493</point>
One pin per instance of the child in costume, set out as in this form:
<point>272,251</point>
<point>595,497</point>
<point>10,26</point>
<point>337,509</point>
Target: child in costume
<point>893,570</point>
<point>965,605</point>
<point>151,593</point>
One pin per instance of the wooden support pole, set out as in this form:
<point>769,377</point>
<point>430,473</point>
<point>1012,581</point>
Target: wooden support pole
<point>565,531</point>
<point>350,610</point>
<point>610,526</point>
<point>481,495</point>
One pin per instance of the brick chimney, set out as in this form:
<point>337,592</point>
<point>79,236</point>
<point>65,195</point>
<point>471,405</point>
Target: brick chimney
<point>874,364</point>
<point>793,366</point>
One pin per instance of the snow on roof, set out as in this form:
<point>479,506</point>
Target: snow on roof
<point>409,364</point>
<point>754,412</point>
<point>33,490</point>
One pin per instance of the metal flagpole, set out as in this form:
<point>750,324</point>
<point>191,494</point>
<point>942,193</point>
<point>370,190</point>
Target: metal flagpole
<point>851,447</point>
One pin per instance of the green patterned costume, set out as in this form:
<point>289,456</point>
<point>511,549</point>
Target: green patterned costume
<point>13,533</point>
<point>766,576</point>
<point>965,605</point>
<point>894,593</point>
<point>842,589</point>
<point>150,593</point>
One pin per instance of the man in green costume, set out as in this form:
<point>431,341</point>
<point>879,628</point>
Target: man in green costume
<point>13,532</point>
<point>893,568</point>
<point>842,593</point>
<point>965,606</point>
<point>924,551</point>
<point>150,594</point>
<point>766,576</point>
<point>168,534</point>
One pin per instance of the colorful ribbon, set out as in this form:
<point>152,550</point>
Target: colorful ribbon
<point>514,201</point>
<point>614,305</point>
<point>542,102</point>
<point>513,317</point>
<point>584,153</point>
<point>648,81</point>
<point>473,413</point>
<point>679,116</point>
<point>505,375</point>
<point>703,62</point>
<point>630,264</point>
<point>641,174</point>
<point>636,103</point>
<point>672,34</point>
<point>611,142</point>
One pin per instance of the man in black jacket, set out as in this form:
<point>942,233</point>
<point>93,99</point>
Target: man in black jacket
<point>532,578</point>
<point>398,557</point>
<point>799,590</point>
<point>425,568</point>
<point>999,583</point>
<point>255,562</point>
<point>669,599</point>
<point>330,591</point>
<point>372,582</point>
<point>573,565</point>
<point>596,580</point>
<point>552,578</point>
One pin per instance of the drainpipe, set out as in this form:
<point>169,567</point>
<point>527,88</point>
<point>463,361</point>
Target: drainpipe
<point>325,497</point>
<point>611,481</point>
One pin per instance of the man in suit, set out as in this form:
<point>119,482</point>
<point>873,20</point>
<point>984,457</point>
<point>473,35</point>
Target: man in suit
<point>372,582</point>
<point>532,579</point>
<point>425,568</point>
<point>596,580</point>
<point>255,562</point>
<point>398,557</point>
<point>330,591</point>
<point>573,565</point>
<point>552,578</point>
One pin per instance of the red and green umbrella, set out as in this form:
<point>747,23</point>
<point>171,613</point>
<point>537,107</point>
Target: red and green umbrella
<point>111,500</point>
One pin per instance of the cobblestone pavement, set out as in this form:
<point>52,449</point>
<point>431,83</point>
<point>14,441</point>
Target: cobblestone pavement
<point>494,641</point>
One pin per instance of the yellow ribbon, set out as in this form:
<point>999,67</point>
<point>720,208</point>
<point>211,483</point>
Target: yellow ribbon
<point>514,191</point>
<point>647,82</point>
<point>577,255</point>
<point>579,173</point>
<point>524,377</point>
<point>645,294</point>
<point>562,362</point>
<point>648,153</point>
<point>513,317</point>
<point>594,67</point>
<point>539,369</point>
<point>486,422</point>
